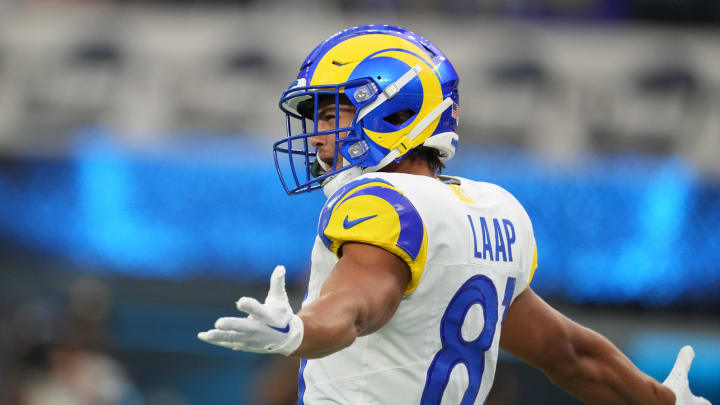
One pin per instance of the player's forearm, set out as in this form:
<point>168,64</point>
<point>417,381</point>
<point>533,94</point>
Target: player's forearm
<point>598,373</point>
<point>359,297</point>
<point>330,324</point>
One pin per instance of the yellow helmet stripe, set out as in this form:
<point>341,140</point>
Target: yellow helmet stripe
<point>349,53</point>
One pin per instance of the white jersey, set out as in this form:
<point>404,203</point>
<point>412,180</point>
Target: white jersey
<point>471,251</point>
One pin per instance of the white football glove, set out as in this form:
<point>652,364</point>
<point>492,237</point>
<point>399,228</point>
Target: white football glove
<point>678,382</point>
<point>271,327</point>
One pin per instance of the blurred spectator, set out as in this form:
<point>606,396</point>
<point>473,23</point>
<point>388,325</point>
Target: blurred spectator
<point>57,354</point>
<point>75,375</point>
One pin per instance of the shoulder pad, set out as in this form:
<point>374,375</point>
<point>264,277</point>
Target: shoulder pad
<point>373,211</point>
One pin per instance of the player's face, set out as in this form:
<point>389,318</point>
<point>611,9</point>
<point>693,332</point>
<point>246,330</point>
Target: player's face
<point>325,144</point>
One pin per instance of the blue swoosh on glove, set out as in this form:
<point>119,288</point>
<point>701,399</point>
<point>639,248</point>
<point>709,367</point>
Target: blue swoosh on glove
<point>286,329</point>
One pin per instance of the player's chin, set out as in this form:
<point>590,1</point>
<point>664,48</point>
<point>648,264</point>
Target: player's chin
<point>327,159</point>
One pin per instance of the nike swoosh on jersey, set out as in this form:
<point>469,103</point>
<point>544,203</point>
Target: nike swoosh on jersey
<point>286,329</point>
<point>349,224</point>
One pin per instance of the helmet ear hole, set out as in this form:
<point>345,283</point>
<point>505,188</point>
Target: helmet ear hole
<point>400,117</point>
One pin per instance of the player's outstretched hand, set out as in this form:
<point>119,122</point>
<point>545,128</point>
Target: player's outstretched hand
<point>271,327</point>
<point>678,382</point>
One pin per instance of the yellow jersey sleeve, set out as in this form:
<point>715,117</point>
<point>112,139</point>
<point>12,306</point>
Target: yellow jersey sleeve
<point>373,211</point>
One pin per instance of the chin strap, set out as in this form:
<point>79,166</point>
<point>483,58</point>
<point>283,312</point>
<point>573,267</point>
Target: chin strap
<point>333,183</point>
<point>444,142</point>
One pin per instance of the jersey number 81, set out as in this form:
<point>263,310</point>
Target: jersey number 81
<point>478,289</point>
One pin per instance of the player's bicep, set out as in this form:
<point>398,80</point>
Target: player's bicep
<point>537,333</point>
<point>373,280</point>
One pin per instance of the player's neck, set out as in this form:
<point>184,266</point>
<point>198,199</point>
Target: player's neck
<point>417,167</point>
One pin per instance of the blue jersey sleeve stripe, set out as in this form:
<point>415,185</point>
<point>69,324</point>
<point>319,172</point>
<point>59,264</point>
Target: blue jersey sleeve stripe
<point>411,225</point>
<point>334,199</point>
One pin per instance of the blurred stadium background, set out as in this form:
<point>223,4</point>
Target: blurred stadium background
<point>138,198</point>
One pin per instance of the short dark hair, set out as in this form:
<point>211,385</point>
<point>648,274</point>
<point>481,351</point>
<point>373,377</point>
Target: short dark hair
<point>431,156</point>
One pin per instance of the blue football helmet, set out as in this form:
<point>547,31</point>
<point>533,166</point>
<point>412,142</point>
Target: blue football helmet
<point>382,71</point>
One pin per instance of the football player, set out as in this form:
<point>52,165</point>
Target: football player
<point>417,279</point>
